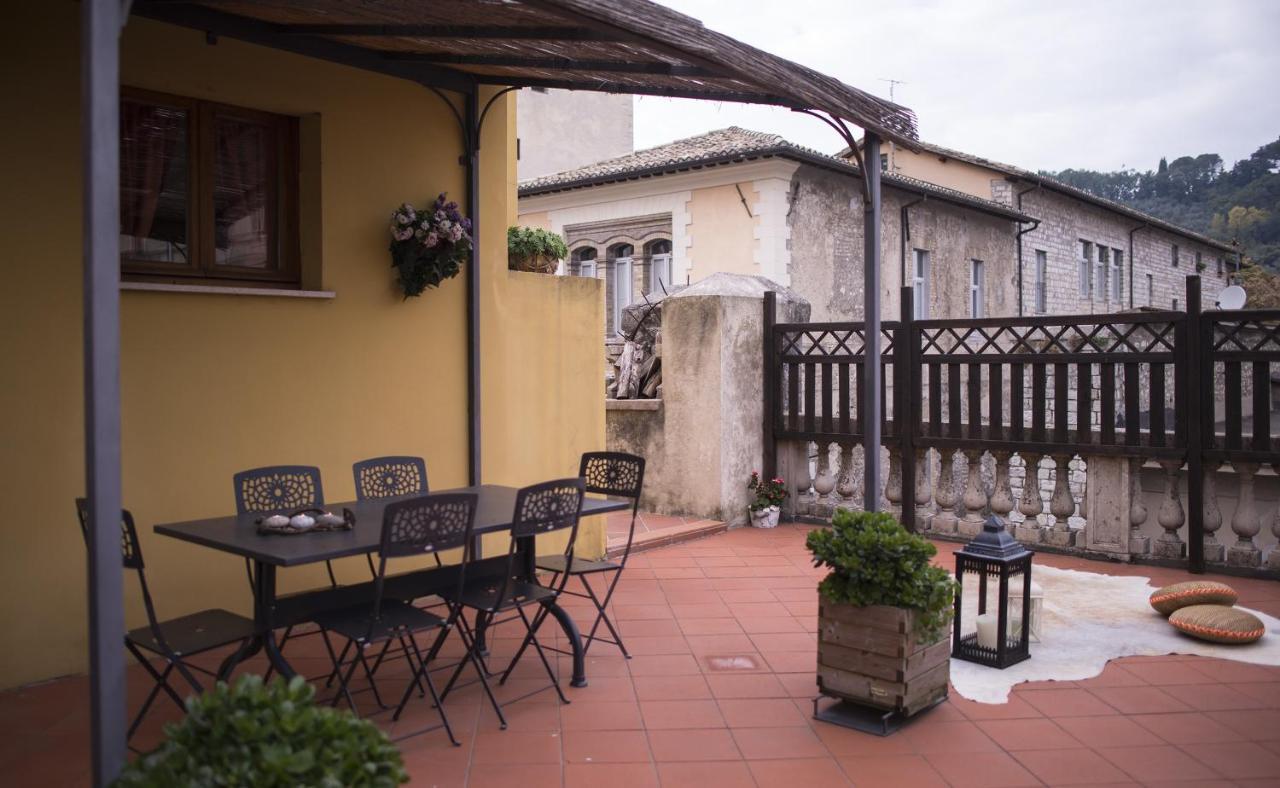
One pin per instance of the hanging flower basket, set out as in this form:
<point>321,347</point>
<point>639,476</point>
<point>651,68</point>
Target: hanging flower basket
<point>428,246</point>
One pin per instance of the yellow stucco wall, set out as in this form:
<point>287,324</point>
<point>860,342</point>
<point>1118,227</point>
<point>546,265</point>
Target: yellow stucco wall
<point>212,384</point>
<point>954,174</point>
<point>721,231</point>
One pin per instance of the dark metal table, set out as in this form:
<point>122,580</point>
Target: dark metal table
<point>238,535</point>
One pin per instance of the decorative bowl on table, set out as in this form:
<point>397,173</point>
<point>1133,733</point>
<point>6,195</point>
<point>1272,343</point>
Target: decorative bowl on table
<point>305,521</point>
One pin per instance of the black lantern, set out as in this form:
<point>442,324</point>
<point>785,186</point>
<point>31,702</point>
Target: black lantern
<point>994,555</point>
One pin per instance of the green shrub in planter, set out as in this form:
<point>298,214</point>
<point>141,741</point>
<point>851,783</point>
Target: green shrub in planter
<point>875,561</point>
<point>266,736</point>
<point>531,249</point>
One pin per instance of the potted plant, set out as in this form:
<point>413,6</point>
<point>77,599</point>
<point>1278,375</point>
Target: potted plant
<point>267,736</point>
<point>428,246</point>
<point>883,614</point>
<point>534,250</point>
<point>767,505</point>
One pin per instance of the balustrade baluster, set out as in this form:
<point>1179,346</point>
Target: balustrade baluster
<point>1214,551</point>
<point>1001,496</point>
<point>944,494</point>
<point>844,487</point>
<point>1031,504</point>
<point>893,483</point>
<point>975,497</point>
<point>922,490</point>
<point>1273,557</point>
<point>1245,522</point>
<point>1139,544</point>
<point>1171,515</point>
<point>1062,504</point>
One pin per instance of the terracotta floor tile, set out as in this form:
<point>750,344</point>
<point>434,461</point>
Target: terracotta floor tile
<point>1232,672</point>
<point>1109,731</point>
<point>1149,764</point>
<point>601,688</point>
<point>761,713</point>
<point>1028,734</point>
<point>845,742</point>
<point>516,747</point>
<point>1167,672</point>
<point>671,688</point>
<point>772,625</point>
<point>1140,700</point>
<point>1069,702</point>
<point>1239,759</point>
<point>927,737</point>
<point>614,775</point>
<point>731,774</point>
<point>656,644</point>
<point>719,644</point>
<point>1113,675</point>
<point>664,665</point>
<point>892,771</point>
<point>772,743</point>
<point>647,627</point>
<point>795,641</point>
<point>697,744</point>
<point>702,610</point>
<point>669,714</point>
<point>506,775</point>
<point>791,661</point>
<point>981,770</point>
<point>1186,728</point>
<point>1015,708</point>
<point>710,626</point>
<point>606,747</point>
<point>1251,724</point>
<point>808,772</point>
<point>798,685</point>
<point>585,715</point>
<point>1070,767</point>
<point>751,685</point>
<point>1217,697</point>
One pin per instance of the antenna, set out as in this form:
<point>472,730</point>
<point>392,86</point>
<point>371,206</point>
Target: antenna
<point>893,83</point>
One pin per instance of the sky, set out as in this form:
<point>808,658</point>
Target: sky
<point>1042,84</point>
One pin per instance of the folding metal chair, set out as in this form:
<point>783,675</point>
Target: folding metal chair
<point>413,527</point>
<point>614,474</point>
<point>546,508</point>
<point>173,640</point>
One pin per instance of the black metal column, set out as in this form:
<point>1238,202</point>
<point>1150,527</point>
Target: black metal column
<point>905,412</point>
<point>769,466</point>
<point>871,373</point>
<point>471,115</point>
<point>1199,414</point>
<point>101,21</point>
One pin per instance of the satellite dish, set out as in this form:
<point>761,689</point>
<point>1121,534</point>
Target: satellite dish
<point>1231,297</point>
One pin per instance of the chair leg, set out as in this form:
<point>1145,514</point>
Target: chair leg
<point>424,672</point>
<point>601,615</point>
<point>471,645</point>
<point>373,685</point>
<point>542,655</point>
<point>336,662</point>
<point>524,644</point>
<point>344,680</point>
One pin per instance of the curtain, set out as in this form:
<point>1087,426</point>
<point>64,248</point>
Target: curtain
<point>150,137</point>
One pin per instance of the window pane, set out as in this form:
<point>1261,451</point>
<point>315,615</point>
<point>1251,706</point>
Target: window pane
<point>242,171</point>
<point>153,183</point>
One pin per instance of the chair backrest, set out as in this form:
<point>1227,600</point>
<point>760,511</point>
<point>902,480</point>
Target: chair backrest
<point>131,554</point>
<point>278,488</point>
<point>618,474</point>
<point>542,509</point>
<point>423,526</point>
<point>387,477</point>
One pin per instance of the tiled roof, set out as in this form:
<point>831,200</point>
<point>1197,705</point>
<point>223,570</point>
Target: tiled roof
<point>726,146</point>
<point>1072,191</point>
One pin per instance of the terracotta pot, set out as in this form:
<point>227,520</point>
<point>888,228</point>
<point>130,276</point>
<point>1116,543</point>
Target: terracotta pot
<point>539,264</point>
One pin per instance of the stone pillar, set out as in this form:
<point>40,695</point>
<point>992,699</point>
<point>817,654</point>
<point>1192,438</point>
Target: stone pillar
<point>1171,515</point>
<point>1245,522</point>
<point>893,483</point>
<point>1139,544</point>
<point>922,490</point>
<point>1062,505</point>
<point>944,494</point>
<point>1214,551</point>
<point>975,497</point>
<point>1107,492</point>
<point>793,469</point>
<point>1031,506</point>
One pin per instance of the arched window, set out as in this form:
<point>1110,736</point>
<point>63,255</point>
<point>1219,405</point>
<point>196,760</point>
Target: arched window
<point>619,284</point>
<point>659,254</point>
<point>584,262</point>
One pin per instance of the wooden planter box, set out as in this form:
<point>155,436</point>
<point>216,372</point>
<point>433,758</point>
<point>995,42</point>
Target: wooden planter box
<point>872,656</point>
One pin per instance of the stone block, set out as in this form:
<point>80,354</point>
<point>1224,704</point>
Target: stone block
<point>1139,545</point>
<point>1029,531</point>
<point>943,523</point>
<point>1244,554</point>
<point>1215,552</point>
<point>1273,558</point>
<point>1169,548</point>
<point>1060,537</point>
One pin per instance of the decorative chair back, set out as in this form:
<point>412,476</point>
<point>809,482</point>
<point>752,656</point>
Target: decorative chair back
<point>618,474</point>
<point>131,553</point>
<point>278,488</point>
<point>388,477</point>
<point>542,509</point>
<point>425,526</point>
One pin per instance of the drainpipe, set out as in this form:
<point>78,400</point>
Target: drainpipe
<point>1022,232</point>
<point>905,235</point>
<point>1142,226</point>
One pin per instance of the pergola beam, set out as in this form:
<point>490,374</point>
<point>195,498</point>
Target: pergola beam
<point>554,64</point>
<point>511,33</point>
<point>638,90</point>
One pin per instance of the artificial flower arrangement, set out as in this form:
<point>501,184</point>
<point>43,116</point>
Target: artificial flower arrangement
<point>769,492</point>
<point>428,246</point>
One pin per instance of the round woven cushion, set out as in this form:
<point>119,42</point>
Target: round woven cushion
<point>1218,623</point>
<point>1193,592</point>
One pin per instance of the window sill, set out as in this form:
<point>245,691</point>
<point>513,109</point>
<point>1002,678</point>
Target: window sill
<point>269,292</point>
<point>633,404</point>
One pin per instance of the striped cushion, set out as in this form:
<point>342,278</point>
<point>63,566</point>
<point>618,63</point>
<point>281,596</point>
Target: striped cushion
<point>1193,592</point>
<point>1218,623</point>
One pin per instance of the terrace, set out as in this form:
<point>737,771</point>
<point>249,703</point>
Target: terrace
<point>677,714</point>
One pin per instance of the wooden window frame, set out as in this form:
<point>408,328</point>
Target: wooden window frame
<point>284,268</point>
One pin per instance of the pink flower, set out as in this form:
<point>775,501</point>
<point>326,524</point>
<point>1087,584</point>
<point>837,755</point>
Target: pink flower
<point>431,240</point>
<point>455,233</point>
<point>409,213</point>
<point>404,233</point>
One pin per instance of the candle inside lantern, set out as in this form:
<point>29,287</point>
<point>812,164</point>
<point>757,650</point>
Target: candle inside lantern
<point>987,623</point>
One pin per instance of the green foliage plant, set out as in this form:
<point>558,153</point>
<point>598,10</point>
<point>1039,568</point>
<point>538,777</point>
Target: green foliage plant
<point>526,245</point>
<point>768,492</point>
<point>267,736</point>
<point>875,561</point>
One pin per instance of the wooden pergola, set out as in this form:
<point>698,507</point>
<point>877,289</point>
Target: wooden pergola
<point>454,49</point>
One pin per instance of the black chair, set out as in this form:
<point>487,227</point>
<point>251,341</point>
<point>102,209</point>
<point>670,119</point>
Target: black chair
<point>279,489</point>
<point>413,527</point>
<point>174,640</point>
<point>622,476</point>
<point>540,509</point>
<point>390,477</point>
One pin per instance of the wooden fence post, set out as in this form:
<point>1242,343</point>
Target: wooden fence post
<point>1199,412</point>
<point>770,379</point>
<point>904,405</point>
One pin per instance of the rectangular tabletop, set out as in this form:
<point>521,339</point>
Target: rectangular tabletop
<point>238,534</point>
